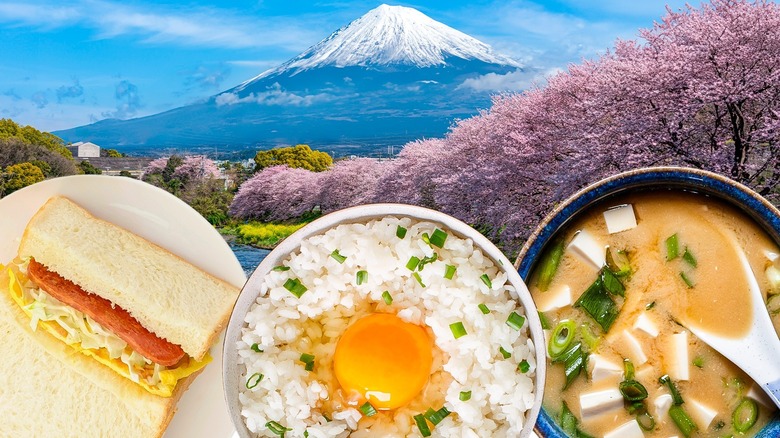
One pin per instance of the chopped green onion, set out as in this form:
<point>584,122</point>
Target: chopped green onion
<point>515,321</point>
<point>449,271</point>
<point>281,268</point>
<point>305,434</point>
<point>698,362</point>
<point>400,232</point>
<point>438,237</point>
<point>338,257</point>
<point>632,390</point>
<point>276,428</point>
<point>523,366</point>
<point>306,358</point>
<point>361,277</point>
<point>589,337</point>
<point>253,380</point>
<point>368,409</point>
<point>309,366</point>
<point>683,421</point>
<point>598,304</point>
<point>650,306</point>
<point>543,319</point>
<point>689,258</point>
<point>437,417</point>
<point>574,364</point>
<point>387,297</point>
<point>295,287</point>
<point>504,353</point>
<point>485,279</point>
<point>422,425</point>
<point>412,263</point>
<point>426,238</point>
<point>672,247</point>
<point>676,397</point>
<point>720,425</point>
<point>688,281</point>
<point>465,396</point>
<point>637,408</point>
<point>568,421</point>
<point>457,329</point>
<point>484,309</point>
<point>427,260</point>
<point>611,283</point>
<point>549,265</point>
<point>618,262</point>
<point>256,348</point>
<point>646,421</point>
<point>561,337</point>
<point>629,367</point>
<point>417,277</point>
<point>745,415</point>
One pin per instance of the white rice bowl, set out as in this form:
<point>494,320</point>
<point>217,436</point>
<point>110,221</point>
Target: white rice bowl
<point>283,326</point>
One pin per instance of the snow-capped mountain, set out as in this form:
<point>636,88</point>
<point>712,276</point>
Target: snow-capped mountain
<point>391,76</point>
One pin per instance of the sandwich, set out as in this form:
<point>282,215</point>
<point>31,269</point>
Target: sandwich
<point>100,329</point>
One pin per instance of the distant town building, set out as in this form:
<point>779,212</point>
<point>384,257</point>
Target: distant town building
<point>84,150</point>
<point>114,166</point>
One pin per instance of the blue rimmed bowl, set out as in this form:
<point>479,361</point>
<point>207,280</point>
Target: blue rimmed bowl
<point>766,215</point>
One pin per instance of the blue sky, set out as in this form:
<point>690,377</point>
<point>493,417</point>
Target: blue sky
<point>69,63</point>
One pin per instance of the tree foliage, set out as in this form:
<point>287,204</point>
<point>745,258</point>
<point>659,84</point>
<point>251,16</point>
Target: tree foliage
<point>300,156</point>
<point>88,168</point>
<point>20,175</point>
<point>30,135</point>
<point>111,153</point>
<point>15,150</point>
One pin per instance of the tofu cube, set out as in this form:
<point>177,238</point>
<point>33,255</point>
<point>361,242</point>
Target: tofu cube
<point>771,255</point>
<point>773,275</point>
<point>633,349</point>
<point>599,402</point>
<point>630,429</point>
<point>588,249</point>
<point>620,218</point>
<point>756,393</point>
<point>701,414</point>
<point>662,404</point>
<point>555,299</point>
<point>677,357</point>
<point>603,368</point>
<point>646,324</point>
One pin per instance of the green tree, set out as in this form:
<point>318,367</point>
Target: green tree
<point>21,175</point>
<point>210,199</point>
<point>30,135</point>
<point>112,153</point>
<point>126,173</point>
<point>300,156</point>
<point>15,150</point>
<point>88,169</point>
<point>44,166</point>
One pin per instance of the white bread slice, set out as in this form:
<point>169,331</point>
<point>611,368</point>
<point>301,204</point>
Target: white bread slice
<point>170,297</point>
<point>48,389</point>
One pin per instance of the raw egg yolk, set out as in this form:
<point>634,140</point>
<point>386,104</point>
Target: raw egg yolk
<point>384,359</point>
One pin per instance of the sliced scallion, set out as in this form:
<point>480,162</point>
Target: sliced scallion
<point>295,287</point>
<point>422,424</point>
<point>544,320</point>
<point>361,277</point>
<point>597,303</point>
<point>698,362</point>
<point>645,421</point>
<point>464,396</point>
<point>687,280</point>
<point>484,309</point>
<point>689,258</point>
<point>368,409</point>
<point>650,305</point>
<point>573,365</point>
<point>485,279</point>
<point>253,380</point>
<point>504,353</point>
<point>338,257</point>
<point>412,263</point>
<point>590,338</point>
<point>683,421</point>
<point>618,262</point>
<point>276,428</point>
<point>436,417</point>
<point>745,415</point>
<point>523,366</point>
<point>549,265</point>
<point>308,359</point>
<point>400,232</point>
<point>256,348</point>
<point>561,337</point>
<point>281,268</point>
<point>632,390</point>
<point>457,329</point>
<point>676,397</point>
<point>387,297</point>
<point>309,366</point>
<point>426,238</point>
<point>672,247</point>
<point>629,369</point>
<point>426,260</point>
<point>449,271</point>
<point>515,321</point>
<point>438,237</point>
<point>611,283</point>
<point>417,277</point>
<point>568,421</point>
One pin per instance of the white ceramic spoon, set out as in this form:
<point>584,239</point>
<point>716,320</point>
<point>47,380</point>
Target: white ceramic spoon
<point>758,352</point>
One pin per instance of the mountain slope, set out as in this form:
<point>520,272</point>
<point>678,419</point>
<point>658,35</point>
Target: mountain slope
<point>388,77</point>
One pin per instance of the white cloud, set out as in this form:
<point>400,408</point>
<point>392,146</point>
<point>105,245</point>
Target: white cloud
<point>274,95</point>
<point>513,81</point>
<point>156,24</point>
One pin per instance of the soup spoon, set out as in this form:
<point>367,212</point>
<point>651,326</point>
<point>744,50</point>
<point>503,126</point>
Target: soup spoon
<point>758,351</point>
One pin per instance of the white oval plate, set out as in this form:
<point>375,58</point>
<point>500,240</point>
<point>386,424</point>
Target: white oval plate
<point>165,220</point>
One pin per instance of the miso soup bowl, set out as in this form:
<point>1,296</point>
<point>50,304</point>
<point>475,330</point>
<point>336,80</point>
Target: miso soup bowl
<point>711,184</point>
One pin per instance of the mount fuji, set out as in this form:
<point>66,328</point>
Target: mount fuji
<point>391,76</point>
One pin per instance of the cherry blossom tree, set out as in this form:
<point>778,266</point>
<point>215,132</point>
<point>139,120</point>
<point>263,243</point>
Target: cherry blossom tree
<point>350,182</point>
<point>196,168</point>
<point>277,193</point>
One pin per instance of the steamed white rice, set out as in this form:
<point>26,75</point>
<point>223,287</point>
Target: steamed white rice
<point>284,326</point>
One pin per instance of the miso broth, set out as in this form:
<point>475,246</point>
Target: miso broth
<point>678,266</point>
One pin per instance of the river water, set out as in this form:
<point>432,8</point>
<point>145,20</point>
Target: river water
<point>248,256</point>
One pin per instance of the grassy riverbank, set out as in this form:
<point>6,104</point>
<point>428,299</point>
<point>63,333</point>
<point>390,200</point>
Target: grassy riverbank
<point>260,234</point>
